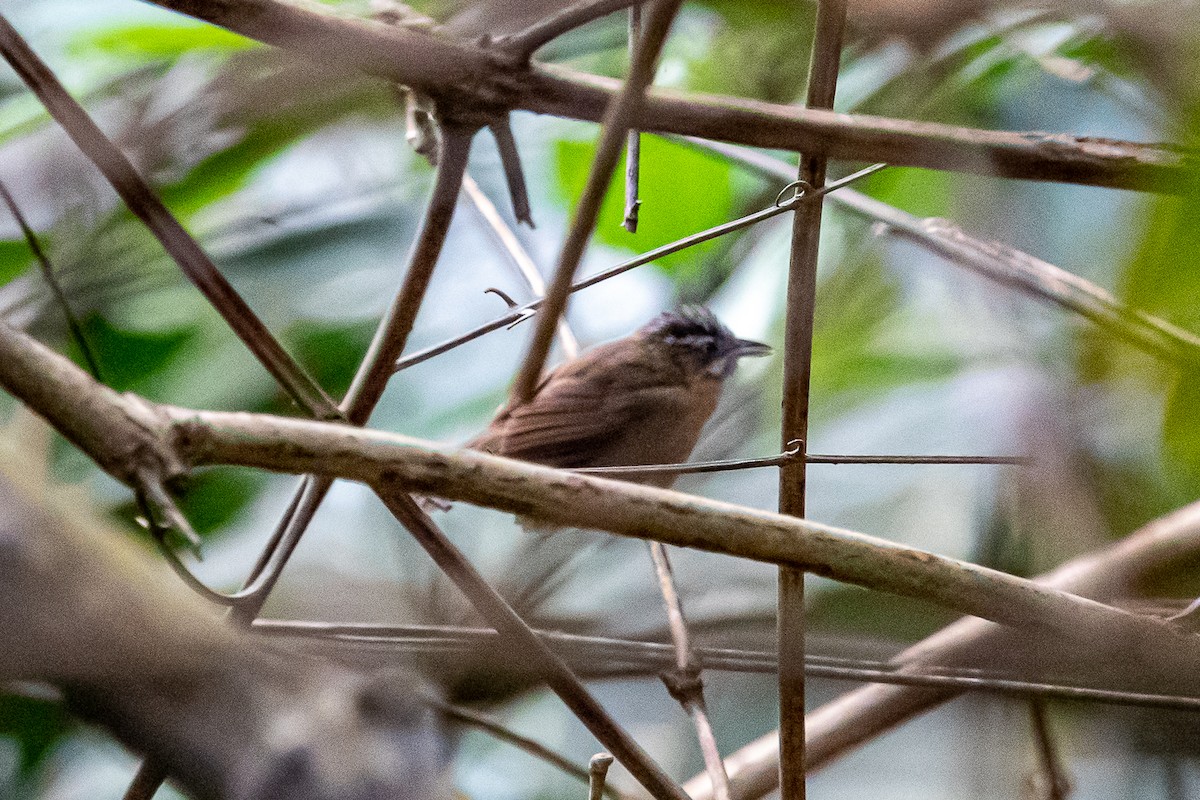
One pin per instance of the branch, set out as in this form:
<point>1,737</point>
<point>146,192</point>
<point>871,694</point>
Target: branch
<point>1141,650</point>
<point>1002,263</point>
<point>617,117</point>
<point>523,44</point>
<point>87,611</point>
<point>797,373</point>
<point>438,67</point>
<point>530,746</point>
<point>179,244</point>
<point>475,76</point>
<point>860,715</point>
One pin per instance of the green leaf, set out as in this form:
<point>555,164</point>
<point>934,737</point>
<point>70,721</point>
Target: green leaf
<point>857,317</point>
<point>1181,423</point>
<point>923,192</point>
<point>214,498</point>
<point>15,258</point>
<point>159,41</point>
<point>37,725</point>
<point>266,137</point>
<point>331,352</point>
<point>682,191</point>
<point>129,360</point>
<point>1164,278</point>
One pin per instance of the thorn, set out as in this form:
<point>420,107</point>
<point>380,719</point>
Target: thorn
<point>508,301</point>
<point>510,159</point>
<point>630,222</point>
<point>525,314</point>
<point>157,495</point>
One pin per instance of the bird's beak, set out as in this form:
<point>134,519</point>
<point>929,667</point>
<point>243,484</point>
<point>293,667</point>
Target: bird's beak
<point>746,347</point>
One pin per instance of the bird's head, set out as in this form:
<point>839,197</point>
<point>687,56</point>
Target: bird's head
<point>697,338</point>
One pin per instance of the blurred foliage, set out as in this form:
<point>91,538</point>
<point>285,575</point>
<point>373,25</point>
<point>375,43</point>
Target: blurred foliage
<point>138,42</point>
<point>36,725</point>
<point>14,259</point>
<point>297,180</point>
<point>671,174</point>
<point>754,52</point>
<point>131,360</point>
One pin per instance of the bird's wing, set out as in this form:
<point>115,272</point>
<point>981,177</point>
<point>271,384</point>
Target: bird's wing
<point>577,411</point>
<point>564,422</point>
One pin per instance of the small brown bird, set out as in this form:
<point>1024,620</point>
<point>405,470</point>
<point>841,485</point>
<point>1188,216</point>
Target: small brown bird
<point>638,400</point>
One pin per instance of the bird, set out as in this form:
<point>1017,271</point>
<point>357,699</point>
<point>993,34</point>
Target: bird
<point>638,400</point>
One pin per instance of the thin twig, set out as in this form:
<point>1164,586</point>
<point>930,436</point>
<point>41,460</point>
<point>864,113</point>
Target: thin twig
<point>813,458</point>
<point>368,385</point>
<point>785,202</point>
<point>633,141</point>
<point>791,454</point>
<point>514,175</point>
<point>1056,784</point>
<point>597,773</point>
<point>725,465</point>
<point>617,119</point>
<point>523,44</point>
<point>515,633</point>
<point>142,201</point>
<point>519,257</point>
<point>648,657</point>
<point>56,289</point>
<point>1001,263</point>
<point>797,373</point>
<point>685,682</point>
<point>499,730</point>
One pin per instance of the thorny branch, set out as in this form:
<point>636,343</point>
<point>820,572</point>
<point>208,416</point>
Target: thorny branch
<point>484,79</point>
<point>1152,653</point>
<point>858,716</point>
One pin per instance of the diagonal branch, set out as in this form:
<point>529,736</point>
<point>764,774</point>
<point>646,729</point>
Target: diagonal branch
<point>483,78</point>
<point>143,202</point>
<point>1002,263</point>
<point>862,714</point>
<point>371,379</point>
<point>617,118</point>
<point>1066,628</point>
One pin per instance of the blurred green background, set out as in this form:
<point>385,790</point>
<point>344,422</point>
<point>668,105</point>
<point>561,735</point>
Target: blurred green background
<point>300,185</point>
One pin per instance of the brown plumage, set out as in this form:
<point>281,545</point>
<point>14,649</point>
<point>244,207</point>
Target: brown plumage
<point>638,400</point>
